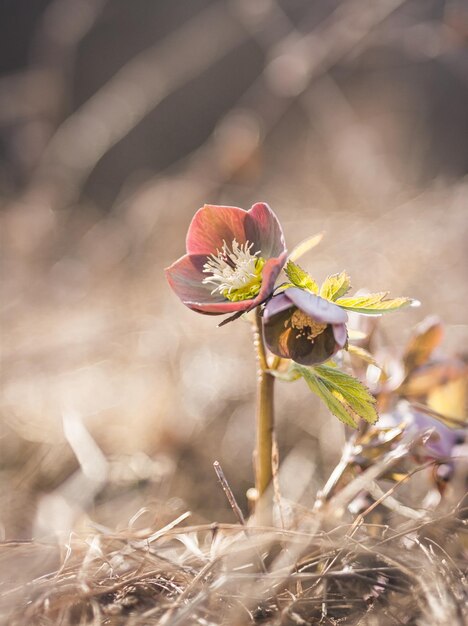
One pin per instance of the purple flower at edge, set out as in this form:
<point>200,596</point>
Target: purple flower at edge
<point>233,259</point>
<point>444,444</point>
<point>304,327</point>
<point>442,438</point>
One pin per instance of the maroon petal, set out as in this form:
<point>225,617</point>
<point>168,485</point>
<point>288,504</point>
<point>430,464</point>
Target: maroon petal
<point>318,308</point>
<point>264,230</point>
<point>185,276</point>
<point>270,273</point>
<point>211,226</point>
<point>220,308</point>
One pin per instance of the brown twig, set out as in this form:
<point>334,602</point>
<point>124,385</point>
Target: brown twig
<point>228,492</point>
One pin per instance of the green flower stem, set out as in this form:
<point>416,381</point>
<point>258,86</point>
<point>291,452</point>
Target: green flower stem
<point>265,425</point>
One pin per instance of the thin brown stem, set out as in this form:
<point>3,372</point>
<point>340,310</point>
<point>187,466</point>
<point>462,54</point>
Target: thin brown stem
<point>265,425</point>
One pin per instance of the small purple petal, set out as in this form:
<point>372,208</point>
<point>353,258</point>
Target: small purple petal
<point>285,341</point>
<point>276,305</point>
<point>341,334</point>
<point>264,230</point>
<point>211,226</point>
<point>318,308</point>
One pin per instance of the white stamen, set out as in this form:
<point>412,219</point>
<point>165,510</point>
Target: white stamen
<point>231,269</point>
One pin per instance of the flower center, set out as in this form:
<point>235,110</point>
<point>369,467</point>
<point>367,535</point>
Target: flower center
<point>305,325</point>
<point>235,272</point>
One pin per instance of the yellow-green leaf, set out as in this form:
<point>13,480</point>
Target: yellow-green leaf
<point>353,391</point>
<point>364,355</point>
<point>335,286</point>
<point>374,303</point>
<point>305,246</point>
<point>299,277</point>
<point>346,397</point>
<point>332,403</point>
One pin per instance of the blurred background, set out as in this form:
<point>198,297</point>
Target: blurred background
<point>118,120</point>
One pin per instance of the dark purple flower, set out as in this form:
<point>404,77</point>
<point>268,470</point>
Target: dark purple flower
<point>233,259</point>
<point>304,327</point>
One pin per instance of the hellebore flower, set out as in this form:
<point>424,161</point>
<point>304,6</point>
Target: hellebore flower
<point>233,259</point>
<point>304,327</point>
<point>442,440</point>
<point>444,445</point>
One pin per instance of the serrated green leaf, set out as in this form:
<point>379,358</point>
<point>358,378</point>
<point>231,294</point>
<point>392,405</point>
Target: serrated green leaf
<point>332,403</point>
<point>345,396</point>
<point>299,277</point>
<point>305,246</point>
<point>373,304</point>
<point>335,286</point>
<point>354,392</point>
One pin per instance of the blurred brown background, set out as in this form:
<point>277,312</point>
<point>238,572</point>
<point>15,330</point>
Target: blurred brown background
<point>118,120</point>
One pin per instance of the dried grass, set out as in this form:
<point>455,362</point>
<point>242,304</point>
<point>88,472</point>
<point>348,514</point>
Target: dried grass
<point>323,570</point>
